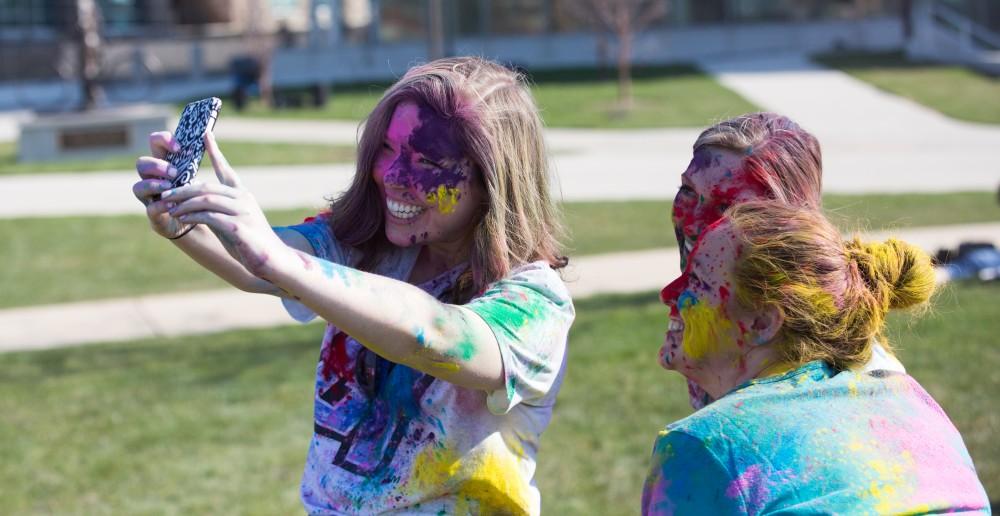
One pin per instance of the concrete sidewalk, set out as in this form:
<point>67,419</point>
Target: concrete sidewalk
<point>191,313</point>
<point>872,140</point>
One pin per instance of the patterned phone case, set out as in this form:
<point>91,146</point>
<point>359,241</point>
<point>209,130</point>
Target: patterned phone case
<point>197,119</point>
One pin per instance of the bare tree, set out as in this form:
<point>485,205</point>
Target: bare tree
<point>623,19</point>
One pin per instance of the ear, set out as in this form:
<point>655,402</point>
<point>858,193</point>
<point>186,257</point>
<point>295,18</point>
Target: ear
<point>767,322</point>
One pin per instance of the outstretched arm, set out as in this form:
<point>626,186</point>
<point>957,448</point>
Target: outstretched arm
<point>196,241</point>
<point>397,320</point>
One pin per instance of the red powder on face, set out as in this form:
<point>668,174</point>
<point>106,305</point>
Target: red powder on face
<point>724,294</point>
<point>335,359</point>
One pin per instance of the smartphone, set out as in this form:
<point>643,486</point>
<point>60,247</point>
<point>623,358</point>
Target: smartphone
<point>197,119</point>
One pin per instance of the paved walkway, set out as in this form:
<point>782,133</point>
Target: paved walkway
<point>872,140</point>
<point>191,313</point>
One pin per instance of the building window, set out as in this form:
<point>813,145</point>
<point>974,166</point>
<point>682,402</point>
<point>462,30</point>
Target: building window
<point>26,13</point>
<point>402,20</point>
<point>519,16</point>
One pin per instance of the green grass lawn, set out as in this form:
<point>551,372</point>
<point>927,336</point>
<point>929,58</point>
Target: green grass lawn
<point>601,227</point>
<point>673,96</point>
<point>55,260</point>
<point>237,152</point>
<point>220,423</point>
<point>953,90</point>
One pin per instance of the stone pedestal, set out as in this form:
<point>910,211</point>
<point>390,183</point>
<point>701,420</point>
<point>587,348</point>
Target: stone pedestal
<point>91,134</point>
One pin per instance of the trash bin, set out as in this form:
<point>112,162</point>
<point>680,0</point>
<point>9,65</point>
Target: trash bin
<point>245,71</point>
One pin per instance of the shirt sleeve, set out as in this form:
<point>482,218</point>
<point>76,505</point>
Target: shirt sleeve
<point>686,477</point>
<point>325,245</point>
<point>530,313</point>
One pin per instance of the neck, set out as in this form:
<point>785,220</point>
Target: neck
<point>719,376</point>
<point>444,257</point>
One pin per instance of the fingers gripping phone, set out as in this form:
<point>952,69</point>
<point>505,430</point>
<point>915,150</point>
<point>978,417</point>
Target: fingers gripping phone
<point>197,119</point>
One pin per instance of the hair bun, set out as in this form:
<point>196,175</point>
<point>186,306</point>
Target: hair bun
<point>898,273</point>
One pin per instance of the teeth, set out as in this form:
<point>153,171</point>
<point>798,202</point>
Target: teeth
<point>403,211</point>
<point>688,245</point>
<point>675,325</point>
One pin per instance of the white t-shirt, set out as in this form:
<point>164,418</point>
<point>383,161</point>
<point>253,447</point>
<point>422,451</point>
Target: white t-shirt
<point>408,442</point>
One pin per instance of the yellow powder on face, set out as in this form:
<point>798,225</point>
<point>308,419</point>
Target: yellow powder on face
<point>703,325</point>
<point>489,484</point>
<point>446,198</point>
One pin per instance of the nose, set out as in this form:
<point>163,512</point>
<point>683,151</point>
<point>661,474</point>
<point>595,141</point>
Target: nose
<point>396,173</point>
<point>673,290</point>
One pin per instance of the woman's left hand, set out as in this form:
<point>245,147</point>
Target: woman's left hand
<point>232,213</point>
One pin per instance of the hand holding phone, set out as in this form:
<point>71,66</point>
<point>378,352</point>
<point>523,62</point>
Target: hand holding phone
<point>197,119</point>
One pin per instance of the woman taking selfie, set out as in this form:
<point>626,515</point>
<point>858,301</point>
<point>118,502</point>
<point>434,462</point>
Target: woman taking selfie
<point>436,272</point>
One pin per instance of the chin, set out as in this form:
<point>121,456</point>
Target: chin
<point>662,359</point>
<point>399,239</point>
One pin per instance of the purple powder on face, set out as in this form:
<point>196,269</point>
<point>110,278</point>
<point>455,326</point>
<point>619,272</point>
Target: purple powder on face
<point>702,159</point>
<point>435,139</point>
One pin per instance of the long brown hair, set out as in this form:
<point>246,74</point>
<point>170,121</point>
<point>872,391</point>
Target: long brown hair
<point>496,119</point>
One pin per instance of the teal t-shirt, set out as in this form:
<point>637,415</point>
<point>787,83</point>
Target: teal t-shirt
<point>815,440</point>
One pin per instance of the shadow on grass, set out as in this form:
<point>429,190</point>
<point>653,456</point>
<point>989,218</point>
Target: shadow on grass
<point>218,358</point>
<point>893,60</point>
<point>301,95</point>
<point>591,75</point>
<point>615,301</point>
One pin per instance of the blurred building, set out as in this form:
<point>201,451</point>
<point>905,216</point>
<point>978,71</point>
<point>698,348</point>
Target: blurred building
<point>175,49</point>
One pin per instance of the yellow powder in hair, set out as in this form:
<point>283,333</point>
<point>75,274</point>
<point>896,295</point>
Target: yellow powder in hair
<point>820,301</point>
<point>703,324</point>
<point>445,197</point>
<point>488,484</point>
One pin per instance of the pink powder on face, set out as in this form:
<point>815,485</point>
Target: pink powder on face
<point>711,185</point>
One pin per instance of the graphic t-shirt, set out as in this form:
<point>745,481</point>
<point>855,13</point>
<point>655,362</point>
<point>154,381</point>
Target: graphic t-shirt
<point>815,441</point>
<point>389,438</point>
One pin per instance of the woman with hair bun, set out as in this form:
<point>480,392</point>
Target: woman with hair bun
<point>754,156</point>
<point>437,275</point>
<point>773,316</point>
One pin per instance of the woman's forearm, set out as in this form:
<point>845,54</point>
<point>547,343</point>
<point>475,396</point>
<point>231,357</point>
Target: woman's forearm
<point>206,249</point>
<point>397,320</point>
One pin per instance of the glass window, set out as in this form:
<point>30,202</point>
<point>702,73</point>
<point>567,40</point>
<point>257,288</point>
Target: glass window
<point>118,14</point>
<point>468,17</point>
<point>519,16</point>
<point>402,20</point>
<point>569,16</point>
<point>26,13</point>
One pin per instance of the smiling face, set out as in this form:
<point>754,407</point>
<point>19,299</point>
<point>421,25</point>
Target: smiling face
<point>430,188</point>
<point>709,330</point>
<point>713,181</point>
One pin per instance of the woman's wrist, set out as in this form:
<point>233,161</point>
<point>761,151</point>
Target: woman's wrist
<point>183,233</point>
